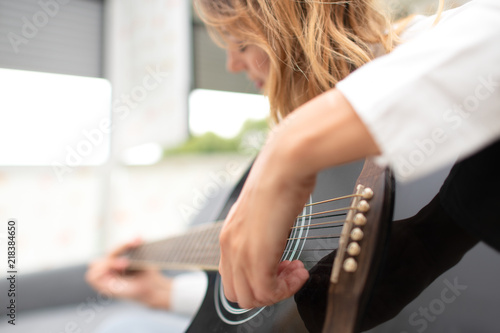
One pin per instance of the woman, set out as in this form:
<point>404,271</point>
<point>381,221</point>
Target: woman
<point>297,52</point>
<point>304,49</point>
<point>289,70</point>
<point>280,67</point>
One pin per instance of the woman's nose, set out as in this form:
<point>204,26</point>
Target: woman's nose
<point>234,61</point>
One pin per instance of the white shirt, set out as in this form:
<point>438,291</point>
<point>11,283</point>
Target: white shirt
<point>187,293</point>
<point>437,96</point>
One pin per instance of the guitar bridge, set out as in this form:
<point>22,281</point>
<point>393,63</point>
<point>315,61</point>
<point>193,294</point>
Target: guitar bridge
<point>352,233</point>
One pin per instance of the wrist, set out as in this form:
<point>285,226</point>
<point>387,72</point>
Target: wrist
<point>322,133</point>
<point>158,294</point>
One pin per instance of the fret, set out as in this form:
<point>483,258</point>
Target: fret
<point>213,245</point>
<point>208,247</point>
<point>210,242</point>
<point>198,256</point>
<point>216,247</point>
<point>173,252</point>
<point>197,249</point>
<point>192,247</point>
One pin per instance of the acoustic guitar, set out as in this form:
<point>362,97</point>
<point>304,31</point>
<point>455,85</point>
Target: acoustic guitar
<point>339,236</point>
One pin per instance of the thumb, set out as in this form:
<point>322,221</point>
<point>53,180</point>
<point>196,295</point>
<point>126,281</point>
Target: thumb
<point>291,277</point>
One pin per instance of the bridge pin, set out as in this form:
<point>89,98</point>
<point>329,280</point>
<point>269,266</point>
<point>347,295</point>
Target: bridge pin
<point>350,265</point>
<point>359,219</point>
<point>357,234</point>
<point>367,193</point>
<point>354,249</point>
<point>363,206</point>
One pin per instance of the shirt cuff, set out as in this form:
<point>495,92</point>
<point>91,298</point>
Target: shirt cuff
<point>188,292</point>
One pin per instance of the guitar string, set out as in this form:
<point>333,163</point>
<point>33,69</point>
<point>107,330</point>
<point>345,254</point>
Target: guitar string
<point>332,224</point>
<point>315,237</point>
<point>327,211</point>
<point>201,253</point>
<point>334,199</point>
<point>320,224</point>
<point>311,250</point>
<point>202,245</point>
<point>327,216</point>
<point>144,248</point>
<point>313,216</point>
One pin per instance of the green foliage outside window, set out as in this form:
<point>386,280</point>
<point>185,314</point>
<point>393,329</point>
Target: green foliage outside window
<point>250,137</point>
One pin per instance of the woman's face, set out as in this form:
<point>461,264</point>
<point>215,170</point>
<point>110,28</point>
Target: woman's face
<point>251,59</point>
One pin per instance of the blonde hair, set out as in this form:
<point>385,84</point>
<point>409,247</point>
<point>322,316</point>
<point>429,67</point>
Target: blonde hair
<point>439,12</point>
<point>312,44</point>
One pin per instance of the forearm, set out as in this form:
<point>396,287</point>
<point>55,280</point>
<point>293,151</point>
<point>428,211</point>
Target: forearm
<point>308,145</point>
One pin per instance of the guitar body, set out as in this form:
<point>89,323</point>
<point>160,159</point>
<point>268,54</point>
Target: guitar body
<point>281,317</point>
<point>313,241</point>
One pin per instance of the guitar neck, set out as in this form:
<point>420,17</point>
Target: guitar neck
<point>196,249</point>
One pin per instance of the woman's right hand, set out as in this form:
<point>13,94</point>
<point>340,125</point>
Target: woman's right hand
<point>110,277</point>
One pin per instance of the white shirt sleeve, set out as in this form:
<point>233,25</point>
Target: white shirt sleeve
<point>188,291</point>
<point>437,96</point>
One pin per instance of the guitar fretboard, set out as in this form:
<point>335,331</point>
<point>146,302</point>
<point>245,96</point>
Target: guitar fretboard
<point>196,249</point>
